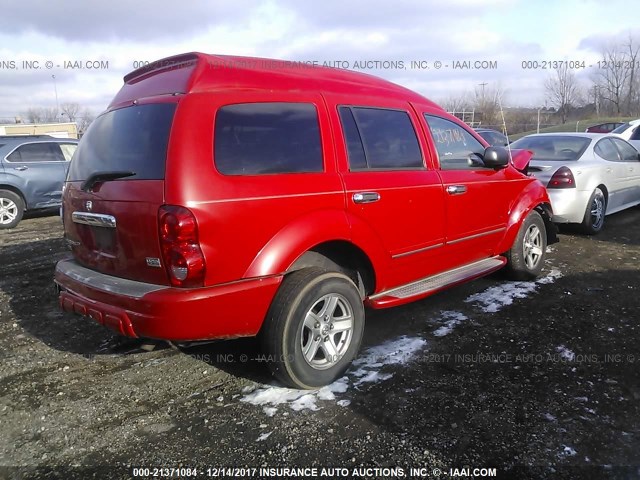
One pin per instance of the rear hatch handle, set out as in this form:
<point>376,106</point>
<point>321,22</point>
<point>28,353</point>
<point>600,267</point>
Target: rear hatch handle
<point>100,177</point>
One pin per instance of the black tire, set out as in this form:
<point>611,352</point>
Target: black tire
<point>526,257</point>
<point>11,209</point>
<point>297,320</point>
<point>593,221</point>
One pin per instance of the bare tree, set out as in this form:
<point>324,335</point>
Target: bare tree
<point>488,103</point>
<point>70,110</point>
<point>632,83</point>
<point>458,103</point>
<point>84,119</point>
<point>612,78</point>
<point>562,90</point>
<point>41,115</point>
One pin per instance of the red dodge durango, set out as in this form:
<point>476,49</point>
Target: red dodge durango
<point>222,197</point>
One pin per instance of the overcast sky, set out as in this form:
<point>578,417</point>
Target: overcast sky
<point>121,33</point>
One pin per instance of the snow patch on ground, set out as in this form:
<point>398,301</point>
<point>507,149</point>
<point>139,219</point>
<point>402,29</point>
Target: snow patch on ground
<point>494,298</point>
<point>367,366</point>
<point>567,451</point>
<point>565,353</point>
<point>451,320</point>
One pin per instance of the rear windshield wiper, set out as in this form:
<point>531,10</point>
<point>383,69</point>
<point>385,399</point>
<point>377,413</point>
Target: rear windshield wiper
<point>100,177</point>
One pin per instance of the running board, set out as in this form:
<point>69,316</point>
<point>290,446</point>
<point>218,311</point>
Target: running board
<point>430,285</point>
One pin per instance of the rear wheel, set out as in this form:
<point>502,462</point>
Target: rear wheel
<point>314,328</point>
<point>593,221</point>
<point>525,259</point>
<point>11,209</point>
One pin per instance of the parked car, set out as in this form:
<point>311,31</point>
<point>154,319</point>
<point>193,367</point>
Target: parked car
<point>32,171</point>
<point>493,137</point>
<point>588,175</point>
<point>630,131</point>
<point>222,197</point>
<point>603,127</point>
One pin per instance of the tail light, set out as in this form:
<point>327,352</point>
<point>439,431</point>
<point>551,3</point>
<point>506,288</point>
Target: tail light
<point>181,251</point>
<point>562,178</point>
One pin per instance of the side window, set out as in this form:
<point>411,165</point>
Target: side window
<point>627,152</point>
<point>635,135</point>
<point>68,149</point>
<point>267,138</point>
<point>380,139</point>
<point>454,144</point>
<point>607,150</point>
<point>36,152</point>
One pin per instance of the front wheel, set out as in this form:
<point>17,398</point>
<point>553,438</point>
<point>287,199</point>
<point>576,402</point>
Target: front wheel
<point>525,259</point>
<point>314,328</point>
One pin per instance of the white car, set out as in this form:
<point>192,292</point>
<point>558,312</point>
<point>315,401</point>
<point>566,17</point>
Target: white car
<point>587,175</point>
<point>630,131</point>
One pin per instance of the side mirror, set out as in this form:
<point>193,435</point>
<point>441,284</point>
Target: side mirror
<point>496,157</point>
<point>475,160</point>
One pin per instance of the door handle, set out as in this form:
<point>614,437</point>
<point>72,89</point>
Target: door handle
<point>609,170</point>
<point>366,197</point>
<point>456,189</point>
<point>20,169</point>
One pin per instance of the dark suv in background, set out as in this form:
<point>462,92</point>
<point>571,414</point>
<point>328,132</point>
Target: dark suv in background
<point>32,171</point>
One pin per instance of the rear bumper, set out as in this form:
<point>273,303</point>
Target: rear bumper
<point>138,309</point>
<point>569,204</point>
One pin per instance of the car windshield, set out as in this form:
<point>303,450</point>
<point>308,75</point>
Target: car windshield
<point>554,148</point>
<point>621,128</point>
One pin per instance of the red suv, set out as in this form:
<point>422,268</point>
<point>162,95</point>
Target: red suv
<point>222,197</point>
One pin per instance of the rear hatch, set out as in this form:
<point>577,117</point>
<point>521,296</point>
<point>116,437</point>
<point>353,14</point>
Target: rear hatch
<point>114,189</point>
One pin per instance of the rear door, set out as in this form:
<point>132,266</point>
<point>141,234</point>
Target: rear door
<point>389,187</point>
<point>112,225</point>
<point>40,168</point>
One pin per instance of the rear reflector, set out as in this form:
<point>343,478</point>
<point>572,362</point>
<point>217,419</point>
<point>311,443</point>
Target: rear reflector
<point>181,250</point>
<point>562,178</point>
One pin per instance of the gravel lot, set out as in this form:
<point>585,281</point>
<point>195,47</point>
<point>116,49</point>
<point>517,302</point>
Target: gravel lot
<point>537,380</point>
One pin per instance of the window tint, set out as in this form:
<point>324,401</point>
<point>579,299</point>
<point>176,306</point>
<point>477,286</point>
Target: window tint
<point>355,149</point>
<point>131,139</point>
<point>264,138</point>
<point>554,148</point>
<point>68,150</point>
<point>453,143</point>
<point>621,128</point>
<point>36,152</point>
<point>607,150</point>
<point>388,138</point>
<point>627,152</point>
<point>636,134</point>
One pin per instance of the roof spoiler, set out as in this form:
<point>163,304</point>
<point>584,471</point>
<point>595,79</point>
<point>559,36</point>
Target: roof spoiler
<point>163,65</point>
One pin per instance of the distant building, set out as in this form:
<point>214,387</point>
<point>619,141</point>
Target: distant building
<point>58,130</point>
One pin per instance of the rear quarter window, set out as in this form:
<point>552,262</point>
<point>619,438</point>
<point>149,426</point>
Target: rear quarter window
<point>267,138</point>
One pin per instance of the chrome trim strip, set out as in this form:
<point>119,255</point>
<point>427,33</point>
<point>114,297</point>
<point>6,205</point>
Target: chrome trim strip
<point>471,237</point>
<point>105,283</point>
<point>94,219</point>
<point>419,250</point>
<point>443,279</point>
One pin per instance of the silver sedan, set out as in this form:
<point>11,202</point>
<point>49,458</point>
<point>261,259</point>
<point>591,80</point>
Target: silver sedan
<point>587,175</point>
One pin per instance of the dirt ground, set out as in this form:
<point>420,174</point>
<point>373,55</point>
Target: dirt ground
<point>536,380</point>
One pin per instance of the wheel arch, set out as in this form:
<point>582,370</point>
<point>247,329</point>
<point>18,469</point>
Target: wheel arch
<point>534,197</point>
<point>16,190</point>
<point>322,239</point>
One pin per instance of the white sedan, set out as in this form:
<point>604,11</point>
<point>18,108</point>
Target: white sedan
<point>587,175</point>
<point>630,132</point>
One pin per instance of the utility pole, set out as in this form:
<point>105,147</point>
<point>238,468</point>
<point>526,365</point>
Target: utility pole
<point>55,88</point>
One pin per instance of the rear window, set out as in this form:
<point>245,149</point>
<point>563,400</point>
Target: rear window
<point>267,138</point>
<point>554,148</point>
<point>131,139</point>
<point>621,128</point>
